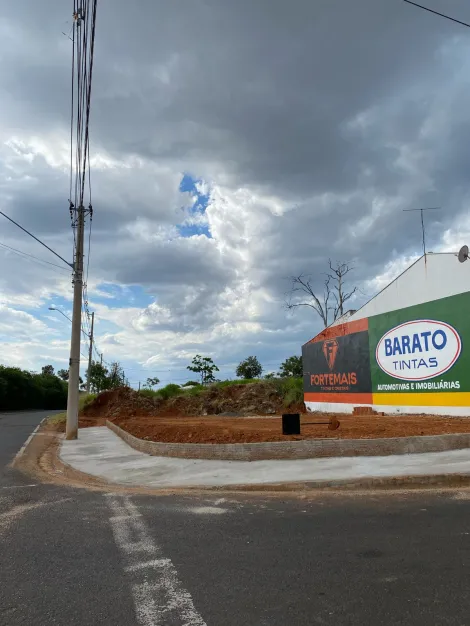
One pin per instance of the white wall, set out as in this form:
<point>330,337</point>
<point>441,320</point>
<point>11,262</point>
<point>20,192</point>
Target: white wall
<point>437,276</point>
<point>339,407</point>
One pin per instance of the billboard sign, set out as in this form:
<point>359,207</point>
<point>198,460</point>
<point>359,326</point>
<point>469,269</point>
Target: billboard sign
<point>339,364</point>
<point>418,350</point>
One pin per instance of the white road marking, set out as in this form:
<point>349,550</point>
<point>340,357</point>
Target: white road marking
<point>159,596</point>
<point>207,510</point>
<point>22,450</point>
<point>18,486</point>
<point>152,563</point>
<point>11,516</point>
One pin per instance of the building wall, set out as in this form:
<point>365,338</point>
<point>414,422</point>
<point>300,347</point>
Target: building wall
<point>362,363</point>
<point>431,278</point>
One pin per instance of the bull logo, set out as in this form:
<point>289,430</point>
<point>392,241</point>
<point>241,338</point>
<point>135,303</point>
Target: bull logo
<point>330,350</point>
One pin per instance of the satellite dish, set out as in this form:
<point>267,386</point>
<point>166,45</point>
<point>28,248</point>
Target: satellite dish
<point>463,254</point>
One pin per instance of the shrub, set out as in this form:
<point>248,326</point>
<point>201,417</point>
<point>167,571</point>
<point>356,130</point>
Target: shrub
<point>196,390</point>
<point>292,390</point>
<point>148,393</point>
<point>242,381</point>
<point>169,391</point>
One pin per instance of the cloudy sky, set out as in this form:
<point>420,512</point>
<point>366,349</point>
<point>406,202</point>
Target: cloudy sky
<point>233,144</point>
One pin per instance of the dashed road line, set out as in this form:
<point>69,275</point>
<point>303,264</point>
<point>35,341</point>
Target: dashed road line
<point>159,596</point>
<point>18,486</point>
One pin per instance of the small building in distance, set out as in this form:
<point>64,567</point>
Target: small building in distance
<point>407,350</point>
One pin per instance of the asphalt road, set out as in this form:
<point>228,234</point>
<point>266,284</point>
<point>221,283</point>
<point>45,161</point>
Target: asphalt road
<point>74,557</point>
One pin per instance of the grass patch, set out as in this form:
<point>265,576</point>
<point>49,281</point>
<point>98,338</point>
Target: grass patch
<point>196,390</point>
<point>167,392</point>
<point>148,393</point>
<point>292,390</point>
<point>58,418</point>
<point>238,381</point>
<point>85,399</point>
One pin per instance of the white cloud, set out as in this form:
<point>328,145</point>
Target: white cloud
<point>302,159</point>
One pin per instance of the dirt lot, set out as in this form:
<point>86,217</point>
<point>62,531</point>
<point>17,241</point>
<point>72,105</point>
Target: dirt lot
<point>198,419</point>
<point>216,429</point>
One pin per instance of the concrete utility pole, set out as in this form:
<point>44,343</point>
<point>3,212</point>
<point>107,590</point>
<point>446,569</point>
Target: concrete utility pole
<point>74,362</point>
<point>90,353</point>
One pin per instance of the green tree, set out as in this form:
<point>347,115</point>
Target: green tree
<point>249,368</point>
<point>63,374</point>
<point>48,370</point>
<point>292,367</point>
<point>151,382</point>
<point>116,377</point>
<point>20,389</point>
<point>205,367</point>
<point>99,377</point>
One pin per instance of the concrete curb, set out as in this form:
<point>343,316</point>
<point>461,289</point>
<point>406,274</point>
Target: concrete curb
<point>360,484</point>
<point>306,449</point>
<point>296,487</point>
<point>22,450</point>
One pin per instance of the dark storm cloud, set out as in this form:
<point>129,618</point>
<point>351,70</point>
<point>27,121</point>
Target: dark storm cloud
<point>301,99</point>
<point>172,265</point>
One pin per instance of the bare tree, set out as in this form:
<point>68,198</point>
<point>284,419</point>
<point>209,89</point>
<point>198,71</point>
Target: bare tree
<point>329,305</point>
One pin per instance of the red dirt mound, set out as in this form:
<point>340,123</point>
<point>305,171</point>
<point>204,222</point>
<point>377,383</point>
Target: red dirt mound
<point>120,402</point>
<point>253,399</point>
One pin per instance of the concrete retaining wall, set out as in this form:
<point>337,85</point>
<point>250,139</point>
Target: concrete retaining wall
<point>307,449</point>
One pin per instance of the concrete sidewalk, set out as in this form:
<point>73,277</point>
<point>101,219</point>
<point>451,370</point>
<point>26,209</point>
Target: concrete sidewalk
<point>101,453</point>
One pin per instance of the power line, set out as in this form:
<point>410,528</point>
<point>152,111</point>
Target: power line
<point>447,17</point>
<point>25,254</point>
<point>38,240</point>
<point>84,15</point>
<point>89,246</point>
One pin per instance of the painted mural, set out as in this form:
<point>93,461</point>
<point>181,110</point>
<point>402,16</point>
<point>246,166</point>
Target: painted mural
<point>394,358</point>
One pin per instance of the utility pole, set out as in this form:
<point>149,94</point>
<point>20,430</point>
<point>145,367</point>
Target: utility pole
<point>101,362</point>
<point>74,362</point>
<point>139,385</point>
<point>90,353</point>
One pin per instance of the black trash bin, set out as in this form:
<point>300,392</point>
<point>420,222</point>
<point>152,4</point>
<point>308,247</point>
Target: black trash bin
<point>291,424</point>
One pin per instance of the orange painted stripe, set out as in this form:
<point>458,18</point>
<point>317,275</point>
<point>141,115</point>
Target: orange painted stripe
<point>342,398</point>
<point>342,329</point>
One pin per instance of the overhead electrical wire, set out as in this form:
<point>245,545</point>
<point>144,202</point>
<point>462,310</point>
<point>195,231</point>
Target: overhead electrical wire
<point>34,237</point>
<point>26,254</point>
<point>80,201</point>
<point>447,17</point>
<point>71,135</point>
<point>82,62</point>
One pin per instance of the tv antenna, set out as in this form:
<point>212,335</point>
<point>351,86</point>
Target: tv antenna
<point>433,208</point>
<point>463,254</point>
